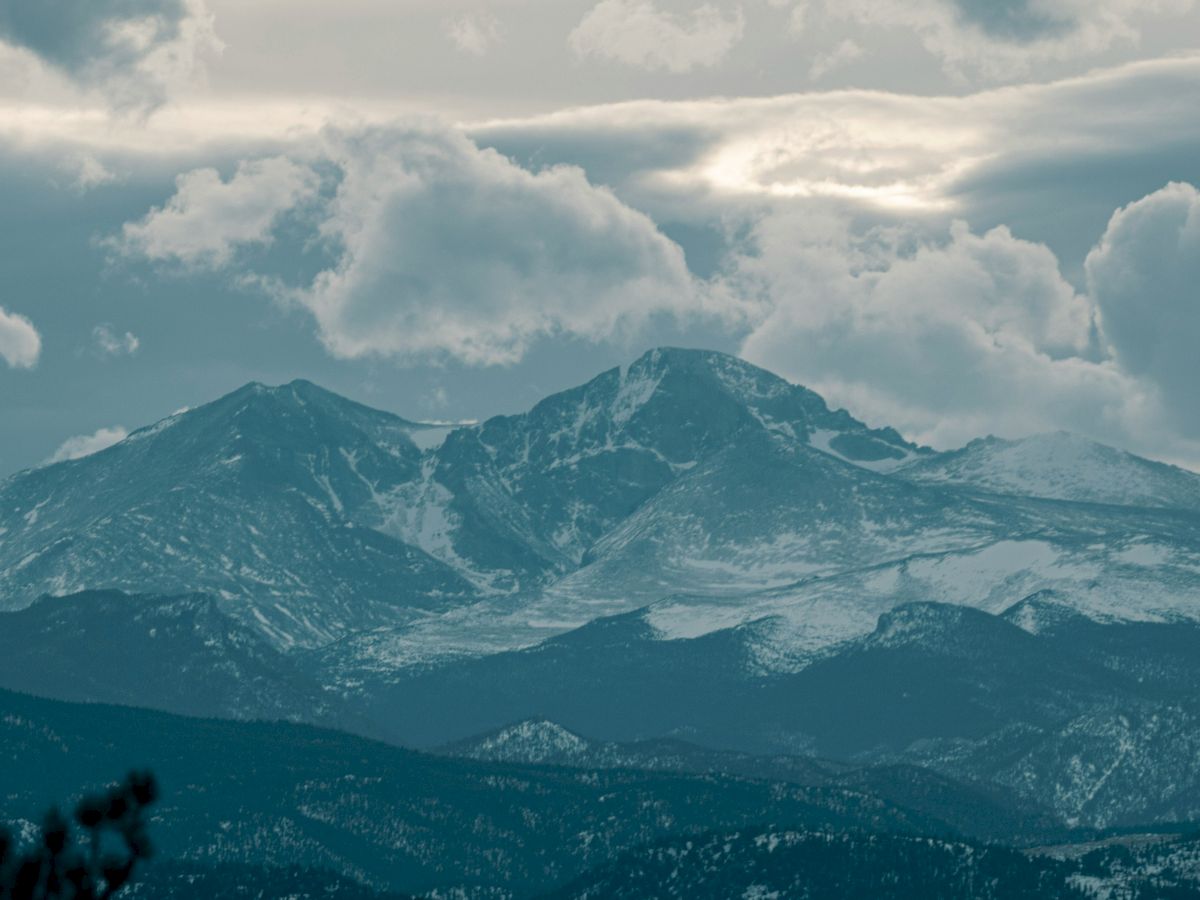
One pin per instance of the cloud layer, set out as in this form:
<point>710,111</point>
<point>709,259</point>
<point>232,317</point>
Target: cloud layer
<point>20,343</point>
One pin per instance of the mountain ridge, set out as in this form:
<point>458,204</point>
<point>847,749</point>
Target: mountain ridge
<point>687,474</point>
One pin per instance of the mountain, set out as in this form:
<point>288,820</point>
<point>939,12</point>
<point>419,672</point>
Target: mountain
<point>178,653</point>
<point>687,548</point>
<point>521,500</point>
<point>1062,466</point>
<point>763,863</point>
<point>1093,723</point>
<point>264,498</point>
<point>280,795</point>
<point>690,482</point>
<point>174,880</point>
<point>969,810</point>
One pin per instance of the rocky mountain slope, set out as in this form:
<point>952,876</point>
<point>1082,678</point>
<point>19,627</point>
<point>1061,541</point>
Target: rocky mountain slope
<point>687,548</point>
<point>284,795</point>
<point>764,863</point>
<point>177,653</point>
<point>1095,723</point>
<point>690,481</point>
<point>263,498</point>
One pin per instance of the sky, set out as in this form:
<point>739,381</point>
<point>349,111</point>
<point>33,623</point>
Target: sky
<point>954,217</point>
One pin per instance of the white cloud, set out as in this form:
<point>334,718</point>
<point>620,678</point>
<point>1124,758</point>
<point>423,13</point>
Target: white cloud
<point>1002,39</point>
<point>452,250</point>
<point>890,151</point>
<point>637,33</point>
<point>89,173</point>
<point>207,219</point>
<point>136,51</point>
<point>1144,275</point>
<point>474,33</point>
<point>443,249</point>
<point>112,343</point>
<point>20,343</point>
<point>946,341</point>
<point>845,52</point>
<point>87,444</point>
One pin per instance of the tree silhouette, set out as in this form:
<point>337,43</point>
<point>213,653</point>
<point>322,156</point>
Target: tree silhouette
<point>93,869</point>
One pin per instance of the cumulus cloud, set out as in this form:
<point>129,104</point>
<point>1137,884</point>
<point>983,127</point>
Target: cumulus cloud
<point>637,33</point>
<point>947,341</point>
<point>1001,39</point>
<point>207,218</point>
<point>443,249</point>
<point>136,50</point>
<point>1144,275</point>
<point>110,342</point>
<point>474,33</point>
<point>449,249</point>
<point>20,343</point>
<point>87,444</point>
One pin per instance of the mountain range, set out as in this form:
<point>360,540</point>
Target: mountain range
<point>687,566</point>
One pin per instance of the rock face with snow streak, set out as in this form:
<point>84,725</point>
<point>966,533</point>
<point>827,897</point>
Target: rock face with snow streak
<point>264,498</point>
<point>691,482</point>
<point>689,547</point>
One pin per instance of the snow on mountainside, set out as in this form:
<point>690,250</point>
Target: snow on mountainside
<point>265,498</point>
<point>1062,466</point>
<point>522,500</point>
<point>694,484</point>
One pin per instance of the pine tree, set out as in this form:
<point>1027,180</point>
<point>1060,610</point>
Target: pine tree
<point>59,868</point>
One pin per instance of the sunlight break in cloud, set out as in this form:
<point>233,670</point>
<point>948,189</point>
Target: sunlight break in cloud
<point>20,343</point>
<point>636,33</point>
<point>86,444</point>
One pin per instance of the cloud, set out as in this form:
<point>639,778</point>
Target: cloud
<point>1002,39</point>
<point>845,52</point>
<point>474,33</point>
<point>207,218</point>
<point>442,249</point>
<point>447,249</point>
<point>111,343</point>
<point>636,33</point>
<point>87,444</point>
<point>20,343</point>
<point>946,340</point>
<point>1061,147</point>
<point>1144,275</point>
<point>136,50</point>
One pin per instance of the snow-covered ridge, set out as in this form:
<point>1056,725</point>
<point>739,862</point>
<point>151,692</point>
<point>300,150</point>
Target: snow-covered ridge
<point>1063,466</point>
<point>690,483</point>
